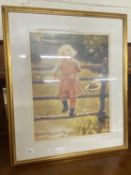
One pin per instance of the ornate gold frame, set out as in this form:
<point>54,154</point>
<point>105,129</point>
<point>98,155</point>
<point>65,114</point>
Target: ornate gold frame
<point>5,14</point>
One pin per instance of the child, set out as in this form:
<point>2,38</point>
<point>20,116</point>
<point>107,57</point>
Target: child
<point>69,86</point>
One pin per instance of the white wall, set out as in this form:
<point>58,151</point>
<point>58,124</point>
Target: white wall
<point>117,6</point>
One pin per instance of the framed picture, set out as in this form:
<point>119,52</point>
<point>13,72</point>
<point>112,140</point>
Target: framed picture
<point>66,83</point>
<point>129,58</point>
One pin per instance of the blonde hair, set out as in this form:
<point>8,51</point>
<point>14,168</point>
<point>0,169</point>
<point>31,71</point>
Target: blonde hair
<point>67,47</point>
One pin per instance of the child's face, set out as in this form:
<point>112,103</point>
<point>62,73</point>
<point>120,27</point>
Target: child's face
<point>66,52</point>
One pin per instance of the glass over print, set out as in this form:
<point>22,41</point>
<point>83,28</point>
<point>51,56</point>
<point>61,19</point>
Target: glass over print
<point>70,84</point>
<point>66,83</point>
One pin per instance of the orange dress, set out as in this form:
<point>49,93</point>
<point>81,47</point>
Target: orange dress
<point>69,83</point>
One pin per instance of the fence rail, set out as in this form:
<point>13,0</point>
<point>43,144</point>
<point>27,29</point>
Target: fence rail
<point>58,98</point>
<point>45,67</point>
<point>57,117</point>
<point>34,81</point>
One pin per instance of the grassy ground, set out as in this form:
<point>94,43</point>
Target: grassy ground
<point>68,127</point>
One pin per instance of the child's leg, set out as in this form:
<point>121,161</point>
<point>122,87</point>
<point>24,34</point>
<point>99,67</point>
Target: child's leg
<point>72,106</point>
<point>64,100</point>
<point>65,105</point>
<point>72,102</point>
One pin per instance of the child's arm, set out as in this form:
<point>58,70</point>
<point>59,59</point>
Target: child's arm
<point>55,71</point>
<point>78,66</point>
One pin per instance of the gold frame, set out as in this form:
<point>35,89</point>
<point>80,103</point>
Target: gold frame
<point>5,14</point>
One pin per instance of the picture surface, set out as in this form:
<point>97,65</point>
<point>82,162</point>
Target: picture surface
<point>70,84</point>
